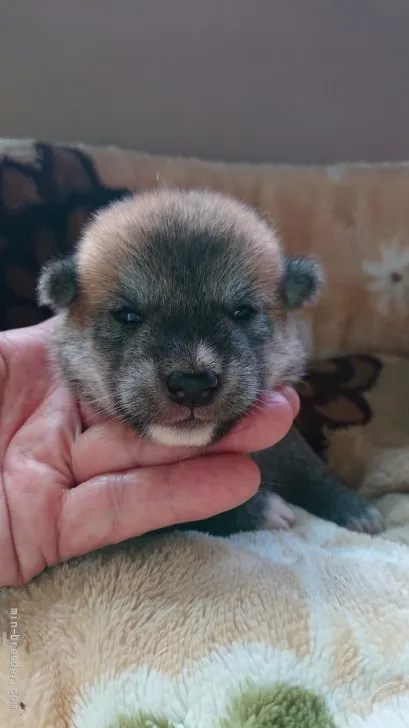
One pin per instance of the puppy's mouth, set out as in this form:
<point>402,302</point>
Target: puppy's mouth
<point>185,427</point>
<point>188,421</point>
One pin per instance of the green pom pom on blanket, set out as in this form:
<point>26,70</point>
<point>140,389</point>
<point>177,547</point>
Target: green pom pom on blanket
<point>281,706</point>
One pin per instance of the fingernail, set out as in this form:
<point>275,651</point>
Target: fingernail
<point>286,392</point>
<point>276,395</point>
<point>292,397</point>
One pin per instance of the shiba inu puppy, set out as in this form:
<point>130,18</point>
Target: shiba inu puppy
<point>175,315</point>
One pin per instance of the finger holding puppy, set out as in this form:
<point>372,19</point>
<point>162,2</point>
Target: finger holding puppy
<point>106,447</point>
<point>111,508</point>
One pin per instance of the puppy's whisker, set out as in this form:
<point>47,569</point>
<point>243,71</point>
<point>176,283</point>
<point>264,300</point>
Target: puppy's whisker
<point>98,400</point>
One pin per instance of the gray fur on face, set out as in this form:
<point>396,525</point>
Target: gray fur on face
<point>207,288</point>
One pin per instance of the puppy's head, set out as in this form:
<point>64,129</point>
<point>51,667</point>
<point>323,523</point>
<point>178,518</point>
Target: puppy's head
<point>175,313</point>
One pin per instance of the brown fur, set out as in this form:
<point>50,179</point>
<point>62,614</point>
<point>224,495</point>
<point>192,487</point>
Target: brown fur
<point>124,228</point>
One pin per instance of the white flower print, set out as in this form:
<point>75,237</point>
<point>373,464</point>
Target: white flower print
<point>389,278</point>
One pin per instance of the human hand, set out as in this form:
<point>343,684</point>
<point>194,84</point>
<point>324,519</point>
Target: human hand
<point>71,483</point>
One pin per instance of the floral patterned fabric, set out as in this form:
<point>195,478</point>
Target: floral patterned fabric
<point>48,192</point>
<point>46,195</point>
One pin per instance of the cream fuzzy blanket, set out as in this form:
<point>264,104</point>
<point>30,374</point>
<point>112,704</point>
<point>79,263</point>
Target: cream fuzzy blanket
<point>185,631</point>
<point>306,629</point>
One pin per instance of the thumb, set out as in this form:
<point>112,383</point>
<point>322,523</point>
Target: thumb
<point>112,508</point>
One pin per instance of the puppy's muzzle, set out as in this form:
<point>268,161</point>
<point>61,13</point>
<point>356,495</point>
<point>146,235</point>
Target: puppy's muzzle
<point>192,390</point>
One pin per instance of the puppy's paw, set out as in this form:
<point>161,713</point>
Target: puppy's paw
<point>355,513</point>
<point>277,514</point>
<point>369,520</point>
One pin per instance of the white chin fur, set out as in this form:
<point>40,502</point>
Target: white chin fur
<point>172,437</point>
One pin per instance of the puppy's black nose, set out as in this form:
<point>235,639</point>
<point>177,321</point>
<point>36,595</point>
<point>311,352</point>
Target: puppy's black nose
<point>192,390</point>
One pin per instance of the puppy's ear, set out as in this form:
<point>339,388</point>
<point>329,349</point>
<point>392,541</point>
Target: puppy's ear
<point>58,284</point>
<point>302,281</point>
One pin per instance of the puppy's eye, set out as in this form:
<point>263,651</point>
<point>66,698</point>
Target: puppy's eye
<point>127,316</point>
<point>243,313</point>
